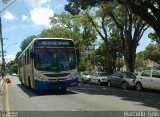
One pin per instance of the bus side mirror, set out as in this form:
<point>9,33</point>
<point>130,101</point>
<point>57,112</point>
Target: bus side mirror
<point>31,55</point>
<point>78,55</point>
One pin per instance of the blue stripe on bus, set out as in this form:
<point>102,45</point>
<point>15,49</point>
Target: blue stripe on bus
<point>55,84</point>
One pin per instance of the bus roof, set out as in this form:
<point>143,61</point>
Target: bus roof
<point>42,39</point>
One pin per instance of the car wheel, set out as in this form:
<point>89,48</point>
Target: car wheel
<point>99,82</point>
<point>139,86</point>
<point>109,84</point>
<point>125,85</point>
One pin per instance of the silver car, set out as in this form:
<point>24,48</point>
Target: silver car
<point>99,78</point>
<point>123,79</point>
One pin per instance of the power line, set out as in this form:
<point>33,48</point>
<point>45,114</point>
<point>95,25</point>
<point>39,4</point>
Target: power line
<point>7,6</point>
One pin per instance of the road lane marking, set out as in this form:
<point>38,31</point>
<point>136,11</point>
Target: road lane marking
<point>7,101</point>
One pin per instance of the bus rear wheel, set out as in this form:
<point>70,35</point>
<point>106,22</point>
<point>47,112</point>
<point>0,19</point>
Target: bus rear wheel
<point>29,84</point>
<point>22,84</point>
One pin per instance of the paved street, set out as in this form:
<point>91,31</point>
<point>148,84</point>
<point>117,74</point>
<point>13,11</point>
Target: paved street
<point>84,98</point>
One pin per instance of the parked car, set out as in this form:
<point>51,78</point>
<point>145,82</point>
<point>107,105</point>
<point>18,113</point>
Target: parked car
<point>124,79</point>
<point>149,79</point>
<point>84,77</point>
<point>99,78</point>
<point>14,74</point>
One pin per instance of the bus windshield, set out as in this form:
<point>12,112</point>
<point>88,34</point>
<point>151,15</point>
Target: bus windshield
<point>55,59</point>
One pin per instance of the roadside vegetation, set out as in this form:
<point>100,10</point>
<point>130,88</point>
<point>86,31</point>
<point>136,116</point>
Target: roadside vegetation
<point>107,33</point>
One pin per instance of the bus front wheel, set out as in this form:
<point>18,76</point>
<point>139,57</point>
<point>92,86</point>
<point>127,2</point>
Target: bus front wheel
<point>20,79</point>
<point>64,89</point>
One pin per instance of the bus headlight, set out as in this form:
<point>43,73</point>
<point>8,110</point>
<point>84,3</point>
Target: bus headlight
<point>41,78</point>
<point>73,76</point>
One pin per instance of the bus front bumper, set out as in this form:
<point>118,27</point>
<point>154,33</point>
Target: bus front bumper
<point>56,84</point>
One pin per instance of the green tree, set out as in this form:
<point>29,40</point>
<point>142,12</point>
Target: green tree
<point>152,52</point>
<point>154,37</point>
<point>26,42</point>
<point>141,62</point>
<point>12,67</point>
<point>150,14</point>
<point>74,24</point>
<point>150,8</point>
<point>131,29</point>
<point>66,20</point>
<point>115,52</point>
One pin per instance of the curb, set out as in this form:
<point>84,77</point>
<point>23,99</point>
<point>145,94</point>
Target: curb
<point>1,83</point>
<point>1,93</point>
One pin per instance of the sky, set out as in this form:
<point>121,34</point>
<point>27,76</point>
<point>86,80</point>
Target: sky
<point>25,18</point>
<point>29,17</point>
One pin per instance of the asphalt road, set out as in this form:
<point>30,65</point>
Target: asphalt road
<point>83,101</point>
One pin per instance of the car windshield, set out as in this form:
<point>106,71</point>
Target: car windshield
<point>129,75</point>
<point>51,59</point>
<point>85,73</point>
<point>102,74</point>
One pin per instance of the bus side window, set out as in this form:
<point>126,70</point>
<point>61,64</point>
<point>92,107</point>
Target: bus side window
<point>28,56</point>
<point>25,61</point>
<point>19,62</point>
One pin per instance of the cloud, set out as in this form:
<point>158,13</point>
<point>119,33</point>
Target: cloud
<point>25,18</point>
<point>9,58</point>
<point>42,2</point>
<point>8,16</point>
<point>40,16</point>
<point>37,3</point>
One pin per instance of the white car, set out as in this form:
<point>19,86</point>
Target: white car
<point>84,77</point>
<point>14,74</point>
<point>149,79</point>
<point>99,78</point>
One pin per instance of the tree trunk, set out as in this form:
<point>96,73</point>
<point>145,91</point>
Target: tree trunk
<point>108,67</point>
<point>130,59</point>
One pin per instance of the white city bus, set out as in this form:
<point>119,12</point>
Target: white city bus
<point>49,63</point>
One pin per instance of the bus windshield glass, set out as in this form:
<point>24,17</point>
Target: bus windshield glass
<point>55,59</point>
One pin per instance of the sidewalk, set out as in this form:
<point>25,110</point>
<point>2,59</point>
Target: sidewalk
<point>1,94</point>
<point>1,82</point>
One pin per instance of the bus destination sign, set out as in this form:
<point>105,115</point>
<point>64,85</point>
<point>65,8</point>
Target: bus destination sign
<point>55,43</point>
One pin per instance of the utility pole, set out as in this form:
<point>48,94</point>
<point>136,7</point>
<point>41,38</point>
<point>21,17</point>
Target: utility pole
<point>3,62</point>
<point>1,38</point>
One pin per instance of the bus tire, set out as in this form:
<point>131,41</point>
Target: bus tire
<point>29,83</point>
<point>20,79</point>
<point>22,84</point>
<point>64,89</point>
